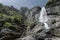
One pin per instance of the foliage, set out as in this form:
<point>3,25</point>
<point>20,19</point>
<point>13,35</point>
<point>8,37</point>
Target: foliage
<point>51,2</point>
<point>9,18</point>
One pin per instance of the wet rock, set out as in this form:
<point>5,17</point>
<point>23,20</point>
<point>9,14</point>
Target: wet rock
<point>37,28</point>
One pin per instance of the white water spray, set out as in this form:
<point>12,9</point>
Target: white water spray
<point>44,18</point>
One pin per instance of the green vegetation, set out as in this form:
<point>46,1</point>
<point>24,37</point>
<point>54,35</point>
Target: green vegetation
<point>51,2</point>
<point>10,19</point>
<point>12,22</point>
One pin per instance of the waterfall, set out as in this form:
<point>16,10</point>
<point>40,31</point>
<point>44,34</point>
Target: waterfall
<point>44,18</point>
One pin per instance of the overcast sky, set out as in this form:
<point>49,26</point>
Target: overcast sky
<point>24,3</point>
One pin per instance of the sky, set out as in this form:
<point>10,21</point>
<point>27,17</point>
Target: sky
<point>24,3</point>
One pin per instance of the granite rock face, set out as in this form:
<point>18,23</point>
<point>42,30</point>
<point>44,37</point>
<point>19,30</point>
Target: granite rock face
<point>38,32</point>
<point>32,29</point>
<point>24,11</point>
<point>32,18</point>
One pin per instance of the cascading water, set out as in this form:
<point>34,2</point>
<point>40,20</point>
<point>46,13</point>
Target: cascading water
<point>44,18</point>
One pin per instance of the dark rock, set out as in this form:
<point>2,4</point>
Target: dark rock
<point>8,34</point>
<point>24,11</point>
<point>52,3</point>
<point>54,10</point>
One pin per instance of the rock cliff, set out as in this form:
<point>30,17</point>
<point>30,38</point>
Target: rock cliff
<point>23,24</point>
<point>38,32</point>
